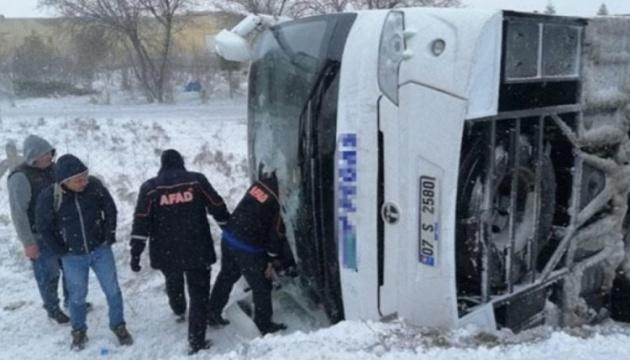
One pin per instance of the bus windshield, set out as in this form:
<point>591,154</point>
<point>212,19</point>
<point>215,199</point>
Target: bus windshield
<point>293,90</point>
<point>288,58</point>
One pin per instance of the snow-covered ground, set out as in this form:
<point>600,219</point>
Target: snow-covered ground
<point>121,143</point>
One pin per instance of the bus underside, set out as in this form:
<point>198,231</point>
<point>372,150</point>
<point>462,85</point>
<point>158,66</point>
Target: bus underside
<point>541,203</point>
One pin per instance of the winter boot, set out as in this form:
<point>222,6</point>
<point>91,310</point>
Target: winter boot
<point>79,339</point>
<point>124,337</point>
<point>195,348</point>
<point>272,328</point>
<point>180,318</point>
<point>215,319</point>
<point>59,316</point>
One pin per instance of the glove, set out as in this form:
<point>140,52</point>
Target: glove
<point>284,268</point>
<point>291,271</point>
<point>135,264</point>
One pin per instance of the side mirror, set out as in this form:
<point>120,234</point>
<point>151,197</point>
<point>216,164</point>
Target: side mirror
<point>233,47</point>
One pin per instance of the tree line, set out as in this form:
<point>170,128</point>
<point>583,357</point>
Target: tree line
<point>550,9</point>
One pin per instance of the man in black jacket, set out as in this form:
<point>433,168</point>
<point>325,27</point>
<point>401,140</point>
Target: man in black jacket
<point>253,239</point>
<point>76,218</point>
<point>171,214</point>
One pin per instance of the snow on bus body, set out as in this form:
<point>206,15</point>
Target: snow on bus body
<point>438,90</point>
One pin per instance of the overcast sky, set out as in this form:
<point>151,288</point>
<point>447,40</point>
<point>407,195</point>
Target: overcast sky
<point>28,8</point>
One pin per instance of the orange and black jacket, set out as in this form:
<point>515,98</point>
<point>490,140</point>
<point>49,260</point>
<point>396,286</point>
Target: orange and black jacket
<point>256,225</point>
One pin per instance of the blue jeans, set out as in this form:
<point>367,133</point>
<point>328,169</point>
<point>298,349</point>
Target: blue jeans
<point>76,270</point>
<point>47,271</point>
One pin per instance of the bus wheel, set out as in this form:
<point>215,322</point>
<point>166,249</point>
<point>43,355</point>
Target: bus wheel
<point>529,223</point>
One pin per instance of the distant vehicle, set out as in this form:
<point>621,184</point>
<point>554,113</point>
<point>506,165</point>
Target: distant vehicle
<point>193,86</point>
<point>445,166</point>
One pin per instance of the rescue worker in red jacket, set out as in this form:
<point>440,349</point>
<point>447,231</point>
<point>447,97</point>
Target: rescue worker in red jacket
<point>171,214</point>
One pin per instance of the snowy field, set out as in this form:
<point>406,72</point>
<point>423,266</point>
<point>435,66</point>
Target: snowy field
<point>121,144</point>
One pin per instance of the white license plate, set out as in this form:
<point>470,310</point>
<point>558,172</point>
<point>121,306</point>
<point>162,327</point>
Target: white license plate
<point>429,217</point>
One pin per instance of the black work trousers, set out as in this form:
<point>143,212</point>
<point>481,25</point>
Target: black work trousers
<point>252,266</point>
<point>175,285</point>
<point>198,281</point>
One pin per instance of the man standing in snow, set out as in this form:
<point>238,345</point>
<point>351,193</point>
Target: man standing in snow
<point>76,217</point>
<point>12,161</point>
<point>172,214</point>
<point>253,240</point>
<point>25,184</point>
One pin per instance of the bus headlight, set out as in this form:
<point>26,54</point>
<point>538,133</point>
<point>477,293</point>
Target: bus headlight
<point>391,51</point>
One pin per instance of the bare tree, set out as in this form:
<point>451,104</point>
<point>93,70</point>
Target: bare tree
<point>37,59</point>
<point>298,8</point>
<point>6,71</point>
<point>550,9</point>
<point>603,10</point>
<point>147,26</point>
<point>390,4</point>
<point>271,7</point>
<point>309,7</point>
<point>230,67</point>
<point>93,48</point>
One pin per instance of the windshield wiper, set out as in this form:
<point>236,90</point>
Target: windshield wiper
<point>329,69</point>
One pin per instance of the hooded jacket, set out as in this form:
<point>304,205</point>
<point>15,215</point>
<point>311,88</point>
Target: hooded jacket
<point>171,213</point>
<point>78,222</point>
<point>25,184</point>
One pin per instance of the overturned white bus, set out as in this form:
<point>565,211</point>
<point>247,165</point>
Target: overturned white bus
<point>446,166</point>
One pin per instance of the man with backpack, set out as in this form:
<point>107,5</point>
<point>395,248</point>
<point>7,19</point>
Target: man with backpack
<point>76,217</point>
<point>25,183</point>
